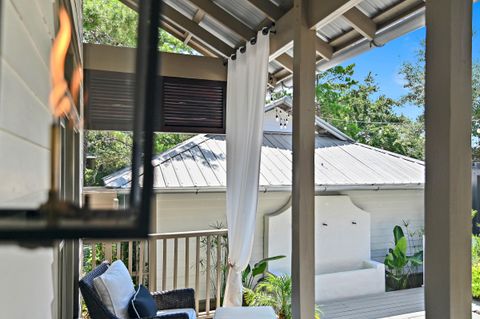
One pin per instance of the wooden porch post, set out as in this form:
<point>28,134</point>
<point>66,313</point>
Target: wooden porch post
<point>448,159</point>
<point>303,204</point>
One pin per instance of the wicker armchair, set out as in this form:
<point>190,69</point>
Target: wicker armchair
<point>174,299</point>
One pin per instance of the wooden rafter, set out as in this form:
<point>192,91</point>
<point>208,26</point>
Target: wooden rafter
<point>286,61</point>
<point>187,38</point>
<point>183,36</point>
<point>323,49</point>
<point>272,12</point>
<point>191,26</point>
<point>360,22</point>
<point>323,12</point>
<point>225,18</point>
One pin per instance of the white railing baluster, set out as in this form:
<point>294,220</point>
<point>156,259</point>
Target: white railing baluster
<point>197,275</point>
<point>219,271</point>
<point>208,283</point>
<point>164,265</point>
<point>138,256</point>
<point>187,261</point>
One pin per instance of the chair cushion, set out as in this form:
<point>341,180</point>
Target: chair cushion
<point>190,312</point>
<point>115,289</point>
<point>142,304</point>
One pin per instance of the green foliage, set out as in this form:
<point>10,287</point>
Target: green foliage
<point>401,266</point>
<point>413,74</point>
<point>476,281</point>
<point>112,151</point>
<point>251,274</point>
<point>358,110</point>
<point>111,22</point>
<point>276,292</point>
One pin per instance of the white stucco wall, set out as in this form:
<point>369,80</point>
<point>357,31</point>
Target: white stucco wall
<point>26,33</point>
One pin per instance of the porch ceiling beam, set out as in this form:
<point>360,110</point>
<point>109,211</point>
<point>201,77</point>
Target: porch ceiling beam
<point>225,18</point>
<point>323,12</point>
<point>323,49</point>
<point>191,26</point>
<point>282,40</point>
<point>185,37</point>
<point>360,22</point>
<point>120,59</point>
<point>272,12</point>
<point>286,61</point>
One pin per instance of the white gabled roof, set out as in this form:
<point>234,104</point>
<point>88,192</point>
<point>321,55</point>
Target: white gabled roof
<point>340,162</point>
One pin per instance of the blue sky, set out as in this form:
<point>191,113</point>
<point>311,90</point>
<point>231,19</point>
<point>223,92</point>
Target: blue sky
<point>385,62</point>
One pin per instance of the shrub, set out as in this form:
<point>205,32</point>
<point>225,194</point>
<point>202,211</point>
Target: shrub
<point>476,281</point>
<point>276,292</point>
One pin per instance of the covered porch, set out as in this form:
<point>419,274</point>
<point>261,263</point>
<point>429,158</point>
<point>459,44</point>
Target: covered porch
<point>296,54</point>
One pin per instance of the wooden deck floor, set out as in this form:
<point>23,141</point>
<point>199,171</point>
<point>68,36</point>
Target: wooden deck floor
<point>403,304</point>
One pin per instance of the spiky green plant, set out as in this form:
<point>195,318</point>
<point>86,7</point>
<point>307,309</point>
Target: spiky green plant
<point>276,292</point>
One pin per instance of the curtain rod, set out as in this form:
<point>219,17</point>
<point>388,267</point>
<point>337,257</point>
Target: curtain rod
<point>253,41</point>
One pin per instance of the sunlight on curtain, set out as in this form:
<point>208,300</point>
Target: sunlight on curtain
<point>246,93</point>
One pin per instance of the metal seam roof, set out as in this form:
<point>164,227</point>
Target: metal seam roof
<point>200,162</point>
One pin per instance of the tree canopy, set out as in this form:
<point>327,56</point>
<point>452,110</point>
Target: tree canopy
<point>413,73</point>
<point>359,110</point>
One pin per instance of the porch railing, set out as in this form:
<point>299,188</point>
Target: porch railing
<point>165,261</point>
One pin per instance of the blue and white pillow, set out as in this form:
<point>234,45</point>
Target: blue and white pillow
<point>115,288</point>
<point>142,304</point>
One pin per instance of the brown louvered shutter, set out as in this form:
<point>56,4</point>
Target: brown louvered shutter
<point>185,105</point>
<point>109,100</point>
<point>192,106</point>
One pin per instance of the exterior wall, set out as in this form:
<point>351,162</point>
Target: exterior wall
<point>388,208</point>
<point>27,29</point>
<point>188,212</point>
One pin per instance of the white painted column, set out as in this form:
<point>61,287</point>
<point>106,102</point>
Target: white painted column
<point>448,159</point>
<point>303,201</point>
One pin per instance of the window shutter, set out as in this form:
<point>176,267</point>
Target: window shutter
<point>192,106</point>
<point>185,105</point>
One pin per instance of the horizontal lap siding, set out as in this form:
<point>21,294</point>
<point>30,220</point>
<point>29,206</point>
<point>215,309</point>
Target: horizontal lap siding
<point>387,209</point>
<point>27,30</point>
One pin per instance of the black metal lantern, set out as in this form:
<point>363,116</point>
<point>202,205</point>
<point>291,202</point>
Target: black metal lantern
<point>62,219</point>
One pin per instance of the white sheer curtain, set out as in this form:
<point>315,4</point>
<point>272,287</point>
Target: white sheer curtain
<point>246,93</point>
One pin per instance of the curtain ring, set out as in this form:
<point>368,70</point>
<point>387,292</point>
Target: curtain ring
<point>243,49</point>
<point>253,40</point>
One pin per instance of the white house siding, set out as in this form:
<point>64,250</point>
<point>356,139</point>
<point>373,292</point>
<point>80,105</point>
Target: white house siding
<point>388,208</point>
<point>27,28</point>
<point>189,211</point>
